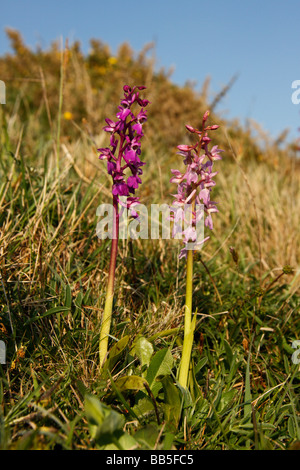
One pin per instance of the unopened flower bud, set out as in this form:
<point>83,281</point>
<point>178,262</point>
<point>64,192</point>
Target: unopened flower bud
<point>205,116</point>
<point>190,128</point>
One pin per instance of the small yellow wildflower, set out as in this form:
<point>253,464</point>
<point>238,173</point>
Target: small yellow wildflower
<point>101,69</point>
<point>68,116</point>
<point>112,60</point>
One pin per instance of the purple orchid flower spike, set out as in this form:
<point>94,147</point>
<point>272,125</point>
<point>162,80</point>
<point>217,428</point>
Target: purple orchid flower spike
<point>126,134</point>
<point>193,190</point>
<point>125,167</point>
<point>196,183</point>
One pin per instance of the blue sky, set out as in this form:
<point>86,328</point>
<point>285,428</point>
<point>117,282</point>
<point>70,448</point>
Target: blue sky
<point>258,40</point>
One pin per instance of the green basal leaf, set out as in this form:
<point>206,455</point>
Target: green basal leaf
<point>147,436</point>
<point>143,349</point>
<point>172,405</point>
<point>94,410</point>
<point>160,365</point>
<point>105,424</point>
<point>130,382</point>
<point>115,353</point>
<point>125,442</point>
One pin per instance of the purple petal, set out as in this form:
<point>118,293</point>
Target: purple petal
<point>121,189</point>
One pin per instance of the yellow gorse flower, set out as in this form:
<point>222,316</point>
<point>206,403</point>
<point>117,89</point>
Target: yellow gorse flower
<point>68,116</point>
<point>112,60</point>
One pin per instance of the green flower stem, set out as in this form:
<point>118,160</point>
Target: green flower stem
<point>189,324</point>
<point>107,314</point>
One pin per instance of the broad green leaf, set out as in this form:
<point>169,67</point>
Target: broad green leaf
<point>118,347</point>
<point>147,436</point>
<point>112,423</point>
<point>125,442</point>
<point>143,407</point>
<point>143,349</point>
<point>161,364</point>
<point>130,382</point>
<point>172,402</point>
<point>168,441</point>
<point>93,410</point>
<point>115,353</point>
<point>105,424</point>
